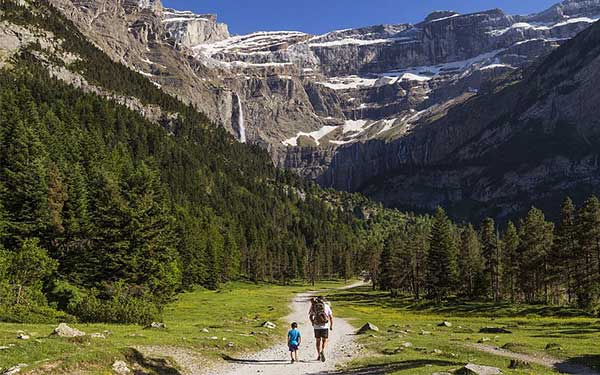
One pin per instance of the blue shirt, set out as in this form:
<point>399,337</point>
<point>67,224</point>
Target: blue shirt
<point>294,337</point>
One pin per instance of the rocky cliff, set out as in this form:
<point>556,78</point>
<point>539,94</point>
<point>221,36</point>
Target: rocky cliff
<point>496,153</point>
<point>350,108</point>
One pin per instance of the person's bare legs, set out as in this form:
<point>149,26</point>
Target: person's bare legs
<point>319,348</point>
<point>296,354</point>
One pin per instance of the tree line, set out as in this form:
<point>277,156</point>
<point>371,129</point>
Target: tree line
<point>531,261</point>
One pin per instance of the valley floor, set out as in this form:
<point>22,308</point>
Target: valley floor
<point>206,327</point>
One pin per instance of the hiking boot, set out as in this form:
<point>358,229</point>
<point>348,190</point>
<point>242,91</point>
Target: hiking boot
<point>322,356</point>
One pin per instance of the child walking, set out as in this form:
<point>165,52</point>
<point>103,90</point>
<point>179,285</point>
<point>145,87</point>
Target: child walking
<point>294,341</point>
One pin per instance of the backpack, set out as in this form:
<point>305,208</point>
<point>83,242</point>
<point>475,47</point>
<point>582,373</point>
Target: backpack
<point>320,317</point>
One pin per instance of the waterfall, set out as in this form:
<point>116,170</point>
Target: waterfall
<point>241,125</point>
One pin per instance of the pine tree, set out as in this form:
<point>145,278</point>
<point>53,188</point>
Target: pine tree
<point>57,196</point>
<point>564,254</point>
<point>442,271</point>
<point>471,264</point>
<point>491,252</point>
<point>510,261</point>
<point>536,238</point>
<point>24,171</point>
<point>589,254</point>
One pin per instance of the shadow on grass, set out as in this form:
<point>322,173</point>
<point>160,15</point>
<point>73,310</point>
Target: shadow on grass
<point>258,362</point>
<point>584,365</point>
<point>390,367</point>
<point>366,297</point>
<point>156,365</point>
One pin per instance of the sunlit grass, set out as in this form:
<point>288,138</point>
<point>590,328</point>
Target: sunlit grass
<point>231,315</point>
<point>443,349</point>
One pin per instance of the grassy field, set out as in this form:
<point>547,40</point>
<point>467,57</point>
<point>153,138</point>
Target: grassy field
<point>441,349</point>
<point>232,316</point>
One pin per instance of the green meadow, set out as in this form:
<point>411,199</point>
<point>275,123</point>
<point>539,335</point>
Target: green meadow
<point>565,334</point>
<point>201,326</point>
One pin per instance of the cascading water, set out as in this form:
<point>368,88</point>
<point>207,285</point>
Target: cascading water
<point>241,125</point>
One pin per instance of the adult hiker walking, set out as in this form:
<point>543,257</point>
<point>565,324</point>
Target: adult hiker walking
<point>321,317</point>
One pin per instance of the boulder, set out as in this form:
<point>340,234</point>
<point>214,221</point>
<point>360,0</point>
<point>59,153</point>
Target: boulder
<point>121,368</point>
<point>157,325</point>
<point>64,330</point>
<point>15,369</point>
<point>204,330</point>
<point>269,325</point>
<point>553,346</point>
<point>368,327</point>
<point>494,330</point>
<point>472,369</point>
<point>445,324</point>
<point>23,336</point>
<point>516,364</point>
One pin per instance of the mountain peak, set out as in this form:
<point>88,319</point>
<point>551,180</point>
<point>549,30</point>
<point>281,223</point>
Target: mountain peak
<point>439,14</point>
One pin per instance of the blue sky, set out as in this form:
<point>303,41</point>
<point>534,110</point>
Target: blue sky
<point>320,16</point>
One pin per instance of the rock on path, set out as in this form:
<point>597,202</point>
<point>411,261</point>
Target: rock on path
<point>275,360</point>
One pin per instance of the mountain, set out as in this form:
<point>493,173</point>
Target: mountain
<point>285,89</point>
<point>347,108</point>
<point>527,140</point>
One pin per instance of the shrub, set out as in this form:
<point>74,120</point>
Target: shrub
<point>34,315</point>
<point>117,310</point>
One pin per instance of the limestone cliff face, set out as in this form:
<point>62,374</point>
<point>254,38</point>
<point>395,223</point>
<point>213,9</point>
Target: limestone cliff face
<point>497,153</point>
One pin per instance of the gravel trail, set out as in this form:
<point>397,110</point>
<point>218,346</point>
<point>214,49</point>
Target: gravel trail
<point>275,360</point>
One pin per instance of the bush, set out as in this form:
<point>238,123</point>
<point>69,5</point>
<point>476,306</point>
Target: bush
<point>34,315</point>
<point>65,296</point>
<point>124,311</point>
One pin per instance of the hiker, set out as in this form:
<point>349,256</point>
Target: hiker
<point>321,317</point>
<point>294,341</point>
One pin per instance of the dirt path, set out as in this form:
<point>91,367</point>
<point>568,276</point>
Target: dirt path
<point>564,367</point>
<point>275,360</point>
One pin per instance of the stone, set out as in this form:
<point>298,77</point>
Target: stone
<point>205,330</point>
<point>425,333</point>
<point>214,338</point>
<point>15,369</point>
<point>157,325</point>
<point>445,324</point>
<point>121,368</point>
<point>484,339</point>
<point>436,351</point>
<point>516,364</point>
<point>407,344</point>
<point>230,344</point>
<point>553,346</point>
<point>63,330</point>
<point>473,369</point>
<point>98,336</point>
<point>23,336</point>
<point>368,327</point>
<point>494,330</point>
<point>269,325</point>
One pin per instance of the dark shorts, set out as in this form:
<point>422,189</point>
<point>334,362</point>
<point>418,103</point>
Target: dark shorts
<point>322,333</point>
<point>293,348</point>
